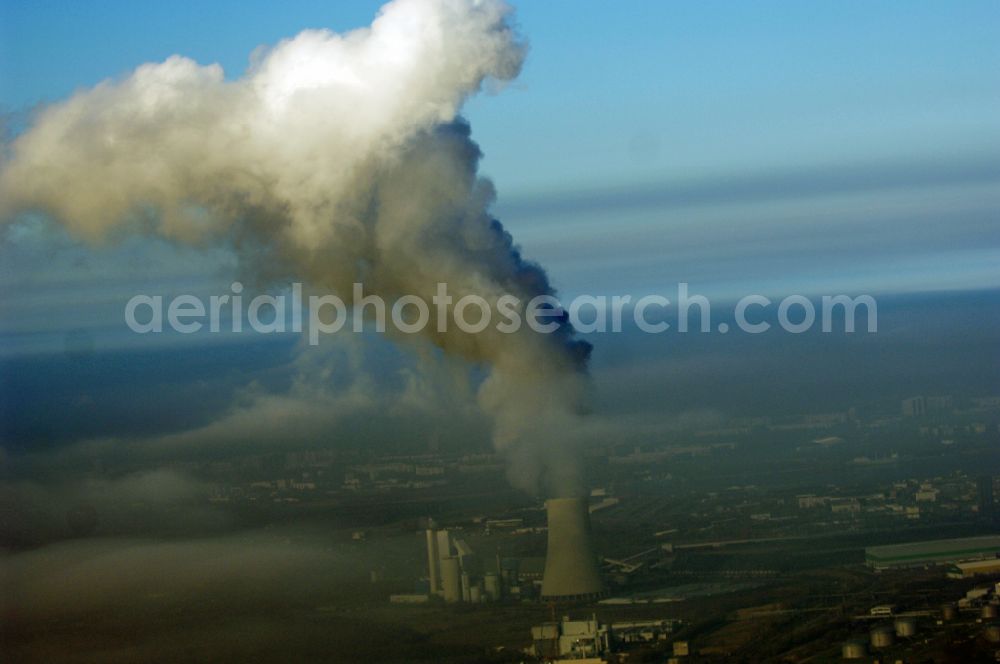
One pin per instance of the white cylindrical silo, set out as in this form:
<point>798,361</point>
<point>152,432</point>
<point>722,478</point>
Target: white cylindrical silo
<point>432,562</point>
<point>443,544</point>
<point>450,581</point>
<point>571,570</point>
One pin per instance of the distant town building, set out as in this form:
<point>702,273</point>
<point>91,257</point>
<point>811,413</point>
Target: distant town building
<point>920,406</point>
<point>849,506</point>
<point>939,404</point>
<point>809,501</point>
<point>986,507</point>
<point>914,407</point>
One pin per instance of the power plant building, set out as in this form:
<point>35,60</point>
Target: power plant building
<point>571,640</point>
<point>491,585</point>
<point>973,568</point>
<point>451,580</point>
<point>452,570</point>
<point>935,552</point>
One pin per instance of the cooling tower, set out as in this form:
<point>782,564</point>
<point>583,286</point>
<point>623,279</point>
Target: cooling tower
<point>570,562</point>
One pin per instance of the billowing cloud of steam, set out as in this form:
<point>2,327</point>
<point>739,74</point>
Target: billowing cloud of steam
<point>336,159</point>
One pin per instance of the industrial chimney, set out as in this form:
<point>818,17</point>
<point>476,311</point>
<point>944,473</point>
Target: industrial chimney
<point>570,562</point>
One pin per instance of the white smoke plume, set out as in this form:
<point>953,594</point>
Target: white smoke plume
<point>337,158</point>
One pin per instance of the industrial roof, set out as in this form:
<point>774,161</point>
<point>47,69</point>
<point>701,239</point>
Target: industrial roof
<point>948,549</point>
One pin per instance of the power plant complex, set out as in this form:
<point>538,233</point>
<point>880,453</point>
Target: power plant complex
<point>455,574</point>
<point>453,571</point>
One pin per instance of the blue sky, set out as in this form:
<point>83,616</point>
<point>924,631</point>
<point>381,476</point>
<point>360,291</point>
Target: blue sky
<point>776,147</point>
<point>639,93</point>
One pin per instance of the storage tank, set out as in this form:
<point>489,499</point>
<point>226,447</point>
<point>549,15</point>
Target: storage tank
<point>450,580</point>
<point>475,594</point>
<point>948,612</point>
<point>571,571</point>
<point>906,627</point>
<point>853,650</point>
<point>989,611</point>
<point>882,637</point>
<point>992,633</point>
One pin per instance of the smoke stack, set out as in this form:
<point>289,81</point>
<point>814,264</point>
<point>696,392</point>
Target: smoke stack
<point>570,562</point>
<point>433,562</point>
